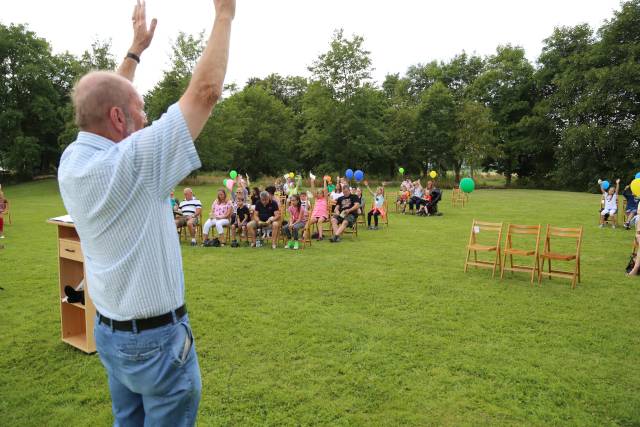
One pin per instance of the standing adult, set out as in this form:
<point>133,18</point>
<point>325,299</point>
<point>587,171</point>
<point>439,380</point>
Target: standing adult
<point>114,181</point>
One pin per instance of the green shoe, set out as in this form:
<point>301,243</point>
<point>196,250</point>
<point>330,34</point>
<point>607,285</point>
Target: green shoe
<point>296,245</point>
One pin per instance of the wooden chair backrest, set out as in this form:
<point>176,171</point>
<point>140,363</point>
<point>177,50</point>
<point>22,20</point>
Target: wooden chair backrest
<point>523,230</point>
<point>563,233</point>
<point>487,226</point>
<point>575,233</point>
<point>479,227</point>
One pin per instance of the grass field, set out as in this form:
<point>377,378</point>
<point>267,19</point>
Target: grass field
<point>382,330</point>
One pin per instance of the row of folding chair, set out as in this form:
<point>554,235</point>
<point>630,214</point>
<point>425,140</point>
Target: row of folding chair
<point>568,240</point>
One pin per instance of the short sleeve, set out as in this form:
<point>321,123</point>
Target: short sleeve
<point>164,153</point>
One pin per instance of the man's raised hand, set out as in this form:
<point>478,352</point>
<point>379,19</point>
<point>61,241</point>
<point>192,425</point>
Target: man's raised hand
<point>142,35</point>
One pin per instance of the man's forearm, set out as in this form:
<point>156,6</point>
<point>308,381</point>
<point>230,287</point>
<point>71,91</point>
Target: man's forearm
<point>205,87</point>
<point>127,68</point>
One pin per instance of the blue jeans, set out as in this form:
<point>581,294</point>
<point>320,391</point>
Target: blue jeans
<point>154,377</point>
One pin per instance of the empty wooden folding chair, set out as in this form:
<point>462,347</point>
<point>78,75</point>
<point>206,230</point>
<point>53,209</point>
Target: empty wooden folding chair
<point>479,243</point>
<point>524,231</point>
<point>573,254</point>
<point>457,198</point>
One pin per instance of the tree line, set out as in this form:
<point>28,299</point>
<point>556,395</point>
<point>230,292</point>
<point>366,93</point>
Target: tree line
<point>562,122</point>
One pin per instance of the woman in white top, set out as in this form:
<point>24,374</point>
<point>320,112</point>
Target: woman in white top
<point>220,216</point>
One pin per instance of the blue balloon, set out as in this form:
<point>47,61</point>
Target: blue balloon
<point>348,173</point>
<point>359,175</point>
<point>605,185</point>
<point>638,175</point>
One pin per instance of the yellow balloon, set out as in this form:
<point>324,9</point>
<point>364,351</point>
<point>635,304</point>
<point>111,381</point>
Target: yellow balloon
<point>291,174</point>
<point>635,187</point>
<point>433,174</point>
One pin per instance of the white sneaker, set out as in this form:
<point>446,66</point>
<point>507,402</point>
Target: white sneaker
<point>1,236</point>
<point>601,225</point>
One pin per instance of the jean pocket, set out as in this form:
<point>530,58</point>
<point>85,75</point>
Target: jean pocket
<point>138,353</point>
<point>181,344</point>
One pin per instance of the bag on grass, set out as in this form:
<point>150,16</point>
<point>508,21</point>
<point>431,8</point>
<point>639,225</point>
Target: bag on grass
<point>632,263</point>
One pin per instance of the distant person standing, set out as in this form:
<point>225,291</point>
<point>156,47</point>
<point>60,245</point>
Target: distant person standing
<point>115,180</point>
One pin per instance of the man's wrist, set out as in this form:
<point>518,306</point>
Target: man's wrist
<point>132,56</point>
<point>224,17</point>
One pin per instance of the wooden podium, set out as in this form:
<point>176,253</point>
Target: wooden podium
<point>76,320</point>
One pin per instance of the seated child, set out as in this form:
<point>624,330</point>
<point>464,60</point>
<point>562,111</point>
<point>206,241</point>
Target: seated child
<point>403,198</point>
<point>610,204</point>
<point>297,221</point>
<point>320,214</point>
<point>305,201</point>
<point>360,200</point>
<point>378,206</point>
<point>243,216</point>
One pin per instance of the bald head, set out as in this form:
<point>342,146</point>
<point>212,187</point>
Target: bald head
<point>96,94</point>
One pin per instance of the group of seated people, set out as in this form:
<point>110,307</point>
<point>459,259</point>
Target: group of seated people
<point>260,214</point>
<point>610,206</point>
<point>423,201</point>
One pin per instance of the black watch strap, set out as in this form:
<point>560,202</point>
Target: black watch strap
<point>133,56</point>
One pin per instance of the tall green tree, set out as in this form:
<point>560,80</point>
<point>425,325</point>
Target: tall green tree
<point>345,67</point>
<point>29,98</point>
<point>252,131</point>
<point>185,51</point>
<point>506,86</point>
<point>436,128</point>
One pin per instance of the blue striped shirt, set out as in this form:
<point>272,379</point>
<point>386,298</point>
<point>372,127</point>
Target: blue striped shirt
<point>118,197</point>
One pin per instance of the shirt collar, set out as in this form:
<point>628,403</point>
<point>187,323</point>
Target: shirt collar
<point>94,140</point>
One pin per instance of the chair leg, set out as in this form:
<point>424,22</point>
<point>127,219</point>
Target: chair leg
<point>495,263</point>
<point>466,262</point>
<point>540,271</point>
<point>504,260</point>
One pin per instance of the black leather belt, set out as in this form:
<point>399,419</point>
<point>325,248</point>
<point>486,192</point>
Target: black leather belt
<point>143,324</point>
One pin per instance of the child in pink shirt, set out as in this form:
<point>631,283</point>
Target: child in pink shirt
<point>297,221</point>
<point>320,211</point>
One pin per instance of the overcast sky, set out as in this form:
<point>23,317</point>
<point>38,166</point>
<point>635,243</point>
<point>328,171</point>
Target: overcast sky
<point>285,36</point>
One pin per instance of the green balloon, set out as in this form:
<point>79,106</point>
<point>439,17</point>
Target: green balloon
<point>467,185</point>
<point>401,170</point>
<point>233,174</point>
<point>224,182</point>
